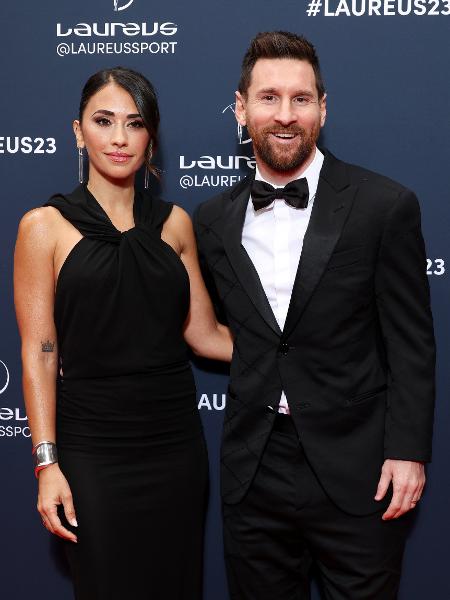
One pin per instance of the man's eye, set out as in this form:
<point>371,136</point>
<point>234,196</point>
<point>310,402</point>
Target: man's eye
<point>302,100</point>
<point>103,121</point>
<point>268,98</point>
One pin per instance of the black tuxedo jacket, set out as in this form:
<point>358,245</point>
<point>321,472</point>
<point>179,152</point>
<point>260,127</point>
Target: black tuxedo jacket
<point>356,356</point>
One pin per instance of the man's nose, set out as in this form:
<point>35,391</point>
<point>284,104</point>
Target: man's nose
<point>285,112</point>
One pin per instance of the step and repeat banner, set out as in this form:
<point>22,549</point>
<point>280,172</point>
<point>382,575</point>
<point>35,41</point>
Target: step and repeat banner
<point>385,65</point>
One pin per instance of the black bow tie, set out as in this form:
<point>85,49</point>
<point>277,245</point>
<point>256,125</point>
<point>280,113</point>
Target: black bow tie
<point>295,193</point>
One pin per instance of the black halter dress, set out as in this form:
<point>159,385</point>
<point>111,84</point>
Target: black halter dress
<point>129,435</point>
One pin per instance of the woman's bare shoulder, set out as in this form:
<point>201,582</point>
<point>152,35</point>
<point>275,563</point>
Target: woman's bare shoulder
<point>39,218</point>
<point>40,225</point>
<point>180,218</point>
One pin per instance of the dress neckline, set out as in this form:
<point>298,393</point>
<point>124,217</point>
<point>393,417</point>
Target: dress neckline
<point>92,200</point>
<point>85,213</point>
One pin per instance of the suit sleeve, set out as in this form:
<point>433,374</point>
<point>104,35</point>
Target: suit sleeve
<point>200,230</point>
<point>403,303</point>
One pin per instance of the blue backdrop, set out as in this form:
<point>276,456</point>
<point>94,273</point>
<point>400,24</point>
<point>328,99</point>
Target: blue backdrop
<point>384,64</point>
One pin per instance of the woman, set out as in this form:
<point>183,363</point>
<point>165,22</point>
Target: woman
<point>107,285</point>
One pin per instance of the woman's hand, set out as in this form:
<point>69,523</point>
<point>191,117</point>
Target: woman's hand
<point>53,491</point>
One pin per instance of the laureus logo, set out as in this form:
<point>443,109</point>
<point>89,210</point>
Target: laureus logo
<point>119,6</point>
<point>3,388</point>
<point>231,108</point>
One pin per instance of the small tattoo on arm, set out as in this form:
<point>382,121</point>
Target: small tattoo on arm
<point>47,346</point>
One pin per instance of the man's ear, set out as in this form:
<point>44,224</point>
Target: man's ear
<point>323,109</point>
<point>239,110</point>
<point>76,125</point>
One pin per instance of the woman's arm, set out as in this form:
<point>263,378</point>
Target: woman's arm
<point>34,285</point>
<point>202,331</point>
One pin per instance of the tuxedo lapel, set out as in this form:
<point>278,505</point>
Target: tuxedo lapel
<point>234,216</point>
<point>333,202</point>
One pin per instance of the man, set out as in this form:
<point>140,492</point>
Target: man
<point>320,268</point>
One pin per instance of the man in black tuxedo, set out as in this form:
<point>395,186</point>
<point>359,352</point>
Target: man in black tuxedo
<point>319,268</point>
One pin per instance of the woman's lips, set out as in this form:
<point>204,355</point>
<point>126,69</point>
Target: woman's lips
<point>118,157</point>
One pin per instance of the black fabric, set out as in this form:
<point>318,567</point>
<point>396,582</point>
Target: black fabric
<point>129,435</point>
<point>286,522</point>
<point>295,193</point>
<point>121,298</point>
<point>356,356</point>
<point>283,423</point>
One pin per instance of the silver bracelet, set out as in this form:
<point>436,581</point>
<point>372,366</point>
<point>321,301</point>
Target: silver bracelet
<point>44,454</point>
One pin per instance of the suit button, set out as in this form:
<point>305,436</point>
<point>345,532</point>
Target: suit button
<point>283,349</point>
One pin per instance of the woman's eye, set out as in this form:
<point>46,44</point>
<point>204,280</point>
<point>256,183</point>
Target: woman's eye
<point>136,124</point>
<point>103,121</point>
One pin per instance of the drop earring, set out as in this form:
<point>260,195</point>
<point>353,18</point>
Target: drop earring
<point>80,165</point>
<point>239,133</point>
<point>147,170</point>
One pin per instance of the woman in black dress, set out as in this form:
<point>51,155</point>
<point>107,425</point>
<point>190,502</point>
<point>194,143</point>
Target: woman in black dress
<point>108,290</point>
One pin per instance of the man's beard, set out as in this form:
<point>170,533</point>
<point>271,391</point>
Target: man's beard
<point>279,158</point>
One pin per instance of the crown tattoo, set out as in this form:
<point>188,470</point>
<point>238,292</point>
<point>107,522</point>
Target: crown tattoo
<point>47,346</point>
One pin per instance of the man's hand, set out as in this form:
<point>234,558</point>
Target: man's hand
<point>408,480</point>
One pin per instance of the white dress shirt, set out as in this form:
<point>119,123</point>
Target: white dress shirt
<point>273,238</point>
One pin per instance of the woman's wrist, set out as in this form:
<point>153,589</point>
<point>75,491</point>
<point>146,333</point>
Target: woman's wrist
<point>44,454</point>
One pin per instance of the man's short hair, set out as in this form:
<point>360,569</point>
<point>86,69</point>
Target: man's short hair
<point>279,44</point>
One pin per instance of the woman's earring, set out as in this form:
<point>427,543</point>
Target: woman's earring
<point>147,171</point>
<point>239,133</point>
<point>80,165</point>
